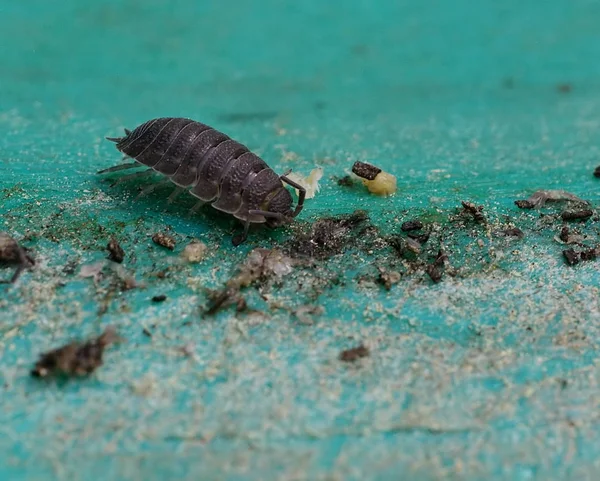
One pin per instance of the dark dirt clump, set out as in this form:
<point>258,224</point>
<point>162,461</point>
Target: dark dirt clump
<point>476,211</point>
<point>164,240</point>
<point>331,235</point>
<point>11,253</point>
<point>354,354</point>
<point>365,171</point>
<point>159,298</point>
<point>597,172</point>
<point>511,232</point>
<point>436,270</point>
<point>388,278</point>
<point>115,251</point>
<point>75,359</point>
<point>577,215</point>
<point>411,225</point>
<point>345,181</point>
<point>572,257</point>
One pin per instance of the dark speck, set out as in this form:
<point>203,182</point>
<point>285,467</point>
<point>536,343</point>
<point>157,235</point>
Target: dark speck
<point>564,88</point>
<point>354,354</point>
<point>412,225</point>
<point>159,298</point>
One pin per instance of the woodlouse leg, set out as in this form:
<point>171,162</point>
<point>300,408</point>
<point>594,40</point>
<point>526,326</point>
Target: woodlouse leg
<point>176,193</point>
<point>152,187</point>
<point>117,168</point>
<point>301,197</point>
<point>137,175</point>
<point>238,239</point>
<point>197,206</point>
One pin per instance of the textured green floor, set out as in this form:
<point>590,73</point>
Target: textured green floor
<point>489,375</point>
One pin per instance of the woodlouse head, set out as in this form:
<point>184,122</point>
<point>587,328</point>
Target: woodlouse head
<point>280,203</point>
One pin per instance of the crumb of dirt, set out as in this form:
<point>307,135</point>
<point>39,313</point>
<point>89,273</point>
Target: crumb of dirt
<point>567,236</point>
<point>365,171</point>
<point>345,181</point>
<point>388,279</point>
<point>11,253</point>
<point>511,232</point>
<point>115,251</point>
<point>573,257</point>
<point>75,358</point>
<point>305,314</point>
<point>241,305</point>
<point>564,88</point>
<point>329,236</point>
<point>577,215</point>
<point>220,300</point>
<point>436,270</point>
<point>476,211</point>
<point>354,354</point>
<point>147,332</point>
<point>420,238</point>
<point>159,298</point>
<point>164,240</point>
<point>194,252</point>
<point>405,246</point>
<point>597,172</point>
<point>539,199</point>
<point>260,265</point>
<point>411,225</point>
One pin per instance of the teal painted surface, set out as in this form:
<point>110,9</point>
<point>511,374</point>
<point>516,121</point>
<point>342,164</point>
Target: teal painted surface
<point>491,375</point>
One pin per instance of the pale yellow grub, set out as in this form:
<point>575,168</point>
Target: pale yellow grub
<point>383,184</point>
<point>310,183</point>
<point>194,252</point>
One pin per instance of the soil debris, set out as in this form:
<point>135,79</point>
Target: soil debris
<point>574,257</point>
<point>159,298</point>
<point>329,236</point>
<point>436,270</point>
<point>420,238</point>
<point>411,225</point>
<point>305,314</point>
<point>11,253</point>
<point>476,211</point>
<point>194,252</point>
<point>597,172</point>
<point>115,251</point>
<point>388,279</point>
<point>260,265</point>
<point>577,215</point>
<point>164,240</point>
<point>354,354</point>
<point>365,171</point>
<point>76,358</point>
<point>567,236</point>
<point>348,181</point>
<point>541,197</point>
<point>511,232</point>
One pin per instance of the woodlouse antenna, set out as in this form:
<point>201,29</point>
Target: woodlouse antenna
<point>301,189</point>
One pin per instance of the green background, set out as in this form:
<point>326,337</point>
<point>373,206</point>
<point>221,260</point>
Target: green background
<point>489,375</point>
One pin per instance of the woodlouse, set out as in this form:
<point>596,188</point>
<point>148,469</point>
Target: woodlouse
<point>213,167</point>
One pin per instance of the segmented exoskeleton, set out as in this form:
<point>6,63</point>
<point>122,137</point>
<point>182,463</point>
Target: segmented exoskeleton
<point>213,167</point>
